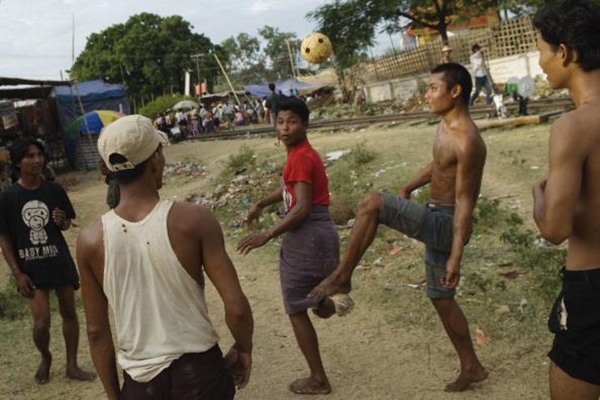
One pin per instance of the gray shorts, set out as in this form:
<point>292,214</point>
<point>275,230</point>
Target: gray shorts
<point>429,224</point>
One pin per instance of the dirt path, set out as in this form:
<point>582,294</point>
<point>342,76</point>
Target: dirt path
<point>366,355</point>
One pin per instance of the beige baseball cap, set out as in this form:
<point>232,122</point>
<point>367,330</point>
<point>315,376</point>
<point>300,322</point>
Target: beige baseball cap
<point>133,137</point>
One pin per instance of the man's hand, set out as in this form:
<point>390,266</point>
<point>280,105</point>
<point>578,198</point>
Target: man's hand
<point>404,194</point>
<point>452,277</point>
<point>540,186</point>
<point>59,217</point>
<point>239,365</point>
<point>253,241</point>
<point>24,285</point>
<point>253,213</point>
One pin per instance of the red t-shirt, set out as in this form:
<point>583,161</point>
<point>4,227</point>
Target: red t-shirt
<point>304,164</point>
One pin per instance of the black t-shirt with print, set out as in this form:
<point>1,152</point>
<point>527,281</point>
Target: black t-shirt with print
<point>39,245</point>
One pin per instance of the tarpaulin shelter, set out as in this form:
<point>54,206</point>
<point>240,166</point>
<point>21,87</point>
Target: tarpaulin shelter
<point>79,98</point>
<point>284,86</point>
<point>94,95</point>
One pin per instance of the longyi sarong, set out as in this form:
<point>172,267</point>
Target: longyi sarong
<point>309,253</point>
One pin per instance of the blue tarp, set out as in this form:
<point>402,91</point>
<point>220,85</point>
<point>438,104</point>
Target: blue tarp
<point>283,86</point>
<point>94,95</point>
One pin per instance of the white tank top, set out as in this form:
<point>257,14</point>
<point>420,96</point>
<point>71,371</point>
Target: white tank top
<point>159,309</point>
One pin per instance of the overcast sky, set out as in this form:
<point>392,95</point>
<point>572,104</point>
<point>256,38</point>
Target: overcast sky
<point>36,36</point>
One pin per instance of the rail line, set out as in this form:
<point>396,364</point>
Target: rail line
<point>479,111</point>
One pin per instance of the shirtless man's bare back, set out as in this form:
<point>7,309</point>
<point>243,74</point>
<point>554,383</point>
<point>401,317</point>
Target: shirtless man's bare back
<point>567,200</point>
<point>444,225</point>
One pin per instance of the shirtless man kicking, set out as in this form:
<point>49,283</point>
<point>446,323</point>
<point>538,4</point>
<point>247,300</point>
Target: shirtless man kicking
<point>567,200</point>
<point>444,225</point>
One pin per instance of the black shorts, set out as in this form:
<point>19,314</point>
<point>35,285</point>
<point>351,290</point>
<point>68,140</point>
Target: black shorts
<point>195,376</point>
<point>575,322</point>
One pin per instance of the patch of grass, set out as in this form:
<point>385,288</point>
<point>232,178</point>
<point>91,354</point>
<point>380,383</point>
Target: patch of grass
<point>12,305</point>
<point>241,161</point>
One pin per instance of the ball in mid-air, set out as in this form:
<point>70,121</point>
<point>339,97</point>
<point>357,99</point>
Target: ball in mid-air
<point>316,48</point>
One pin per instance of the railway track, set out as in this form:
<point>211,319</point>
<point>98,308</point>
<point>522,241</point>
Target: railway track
<point>479,111</point>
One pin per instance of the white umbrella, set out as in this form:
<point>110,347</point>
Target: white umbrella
<point>185,105</point>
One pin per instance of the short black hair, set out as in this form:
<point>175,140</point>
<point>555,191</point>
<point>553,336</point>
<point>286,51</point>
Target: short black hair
<point>20,147</point>
<point>475,47</point>
<point>294,105</point>
<point>455,74</point>
<point>574,23</point>
<point>128,175</point>
<point>271,86</point>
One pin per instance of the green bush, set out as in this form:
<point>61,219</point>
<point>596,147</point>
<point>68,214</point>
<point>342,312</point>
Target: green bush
<point>12,304</point>
<point>533,253</point>
<point>161,104</point>
<point>241,161</point>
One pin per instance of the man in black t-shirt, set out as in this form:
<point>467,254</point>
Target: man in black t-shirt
<point>33,212</point>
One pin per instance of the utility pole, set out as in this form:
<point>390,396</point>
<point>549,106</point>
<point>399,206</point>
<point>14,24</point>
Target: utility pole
<point>197,58</point>
<point>291,59</point>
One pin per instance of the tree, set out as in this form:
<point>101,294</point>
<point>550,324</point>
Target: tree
<point>149,54</point>
<point>245,61</point>
<point>276,50</point>
<point>351,24</point>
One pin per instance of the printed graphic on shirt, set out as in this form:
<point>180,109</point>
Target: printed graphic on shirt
<point>36,216</point>
<point>287,197</point>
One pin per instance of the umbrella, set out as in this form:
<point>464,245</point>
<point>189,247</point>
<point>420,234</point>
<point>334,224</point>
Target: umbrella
<point>185,105</point>
<point>92,122</point>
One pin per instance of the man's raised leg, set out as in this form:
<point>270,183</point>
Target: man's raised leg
<point>317,382</point>
<point>457,328</point>
<point>362,235</point>
<point>40,311</point>
<point>565,387</point>
<point>66,301</point>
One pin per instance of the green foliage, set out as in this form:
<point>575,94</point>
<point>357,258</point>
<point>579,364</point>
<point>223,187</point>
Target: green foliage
<point>488,213</point>
<point>12,304</point>
<point>161,104</point>
<point>148,53</point>
<point>347,183</point>
<point>352,24</point>
<point>243,160</point>
<point>533,253</point>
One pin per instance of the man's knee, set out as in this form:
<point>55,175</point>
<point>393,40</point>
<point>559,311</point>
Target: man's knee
<point>370,205</point>
<point>67,312</point>
<point>41,323</point>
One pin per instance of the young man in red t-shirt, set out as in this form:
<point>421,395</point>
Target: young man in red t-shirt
<point>310,248</point>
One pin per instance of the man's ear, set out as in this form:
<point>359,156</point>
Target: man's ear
<point>568,55</point>
<point>456,91</point>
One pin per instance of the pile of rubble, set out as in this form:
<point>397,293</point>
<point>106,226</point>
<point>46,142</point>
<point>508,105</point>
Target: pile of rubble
<point>185,168</point>
<point>241,191</point>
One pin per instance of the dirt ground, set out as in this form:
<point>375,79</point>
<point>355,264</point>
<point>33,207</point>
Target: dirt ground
<point>366,354</point>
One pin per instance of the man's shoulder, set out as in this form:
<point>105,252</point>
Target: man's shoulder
<point>92,234</point>
<point>188,213</point>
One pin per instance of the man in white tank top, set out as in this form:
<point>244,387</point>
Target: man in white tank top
<point>145,258</point>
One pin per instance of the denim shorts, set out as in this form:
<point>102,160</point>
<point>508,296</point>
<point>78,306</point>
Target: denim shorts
<point>429,224</point>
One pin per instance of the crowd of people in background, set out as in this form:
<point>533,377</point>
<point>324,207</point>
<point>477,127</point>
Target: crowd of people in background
<point>223,115</point>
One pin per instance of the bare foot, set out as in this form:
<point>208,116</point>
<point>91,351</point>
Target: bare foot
<point>330,286</point>
<point>42,376</point>
<point>325,309</point>
<point>79,374</point>
<point>309,386</point>
<point>465,379</point>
